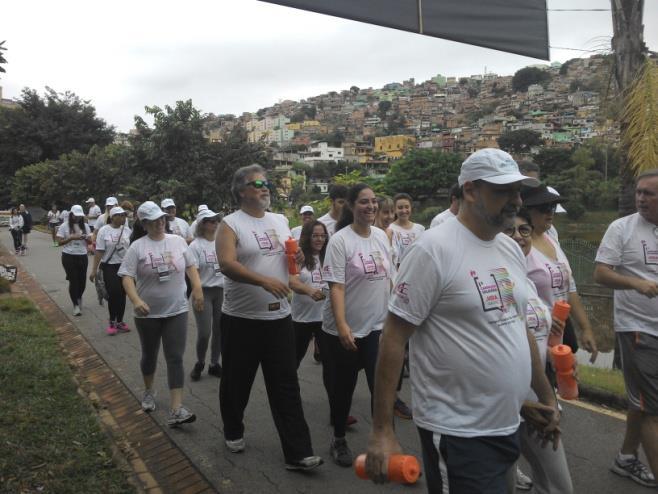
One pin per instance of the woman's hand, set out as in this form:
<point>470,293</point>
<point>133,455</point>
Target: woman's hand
<point>346,338</point>
<point>197,300</point>
<point>557,327</point>
<point>92,276</point>
<point>275,287</point>
<point>316,294</point>
<point>141,308</point>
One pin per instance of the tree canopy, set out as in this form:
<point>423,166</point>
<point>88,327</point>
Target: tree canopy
<point>527,76</point>
<point>519,141</point>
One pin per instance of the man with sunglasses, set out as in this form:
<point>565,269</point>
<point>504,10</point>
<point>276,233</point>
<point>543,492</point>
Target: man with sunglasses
<point>256,324</point>
<point>627,261</point>
<point>460,297</point>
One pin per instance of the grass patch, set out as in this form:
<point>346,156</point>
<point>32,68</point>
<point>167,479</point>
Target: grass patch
<point>5,286</point>
<point>590,227</point>
<point>610,380</point>
<point>50,438</point>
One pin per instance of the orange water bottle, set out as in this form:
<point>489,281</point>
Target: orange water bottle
<point>561,311</point>
<point>402,469</point>
<point>563,360</point>
<point>291,251</point>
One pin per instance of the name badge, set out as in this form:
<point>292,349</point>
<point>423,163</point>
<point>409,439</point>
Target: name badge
<point>274,306</point>
<point>218,271</point>
<point>163,272</point>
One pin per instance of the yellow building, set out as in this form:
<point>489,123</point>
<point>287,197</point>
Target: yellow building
<point>394,146</point>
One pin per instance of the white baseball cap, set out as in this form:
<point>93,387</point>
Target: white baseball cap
<point>493,166</point>
<point>559,208</point>
<point>306,209</point>
<point>117,210</point>
<point>111,201</point>
<point>77,211</point>
<point>167,203</point>
<point>202,207</point>
<point>91,199</point>
<point>205,214</point>
<point>149,211</point>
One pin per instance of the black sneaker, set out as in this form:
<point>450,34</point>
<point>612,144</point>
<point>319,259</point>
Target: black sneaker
<point>195,375</point>
<point>215,370</point>
<point>402,410</point>
<point>308,463</point>
<point>340,452</point>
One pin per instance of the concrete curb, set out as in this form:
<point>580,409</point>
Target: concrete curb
<point>602,397</point>
<point>158,465</point>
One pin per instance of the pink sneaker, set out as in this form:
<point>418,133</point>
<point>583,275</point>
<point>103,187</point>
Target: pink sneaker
<point>111,330</point>
<point>122,327</point>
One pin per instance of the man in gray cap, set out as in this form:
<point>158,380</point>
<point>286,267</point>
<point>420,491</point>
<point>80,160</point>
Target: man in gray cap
<point>460,299</point>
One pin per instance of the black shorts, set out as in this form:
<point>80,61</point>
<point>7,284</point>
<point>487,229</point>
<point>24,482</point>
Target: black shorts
<point>639,362</point>
<point>475,465</point>
<point>26,229</point>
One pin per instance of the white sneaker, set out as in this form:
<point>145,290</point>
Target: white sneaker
<point>179,416</point>
<point>76,310</point>
<point>635,470</point>
<point>236,446</point>
<point>523,482</point>
<point>148,401</point>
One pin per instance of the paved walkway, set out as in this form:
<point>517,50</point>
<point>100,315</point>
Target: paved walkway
<point>591,437</point>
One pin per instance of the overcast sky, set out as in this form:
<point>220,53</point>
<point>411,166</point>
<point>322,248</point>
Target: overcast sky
<point>232,56</point>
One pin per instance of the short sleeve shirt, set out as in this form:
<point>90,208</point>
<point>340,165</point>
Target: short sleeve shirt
<point>552,277</point>
<point>402,238</point>
<point>180,227</point>
<point>158,267</point>
<point>74,247</point>
<point>470,358</point>
<point>538,321</point>
<point>363,265</point>
<point>441,217</point>
<point>304,308</point>
<point>113,242</point>
<point>630,245</point>
<point>296,232</point>
<point>206,257</point>
<point>329,222</point>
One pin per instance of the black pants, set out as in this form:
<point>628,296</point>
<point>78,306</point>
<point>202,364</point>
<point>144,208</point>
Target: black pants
<point>246,344</point>
<point>304,331</point>
<point>17,237</point>
<point>117,296</point>
<point>342,369</point>
<point>474,465</point>
<point>75,267</point>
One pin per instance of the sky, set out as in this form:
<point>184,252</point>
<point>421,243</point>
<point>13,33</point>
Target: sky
<point>232,56</point>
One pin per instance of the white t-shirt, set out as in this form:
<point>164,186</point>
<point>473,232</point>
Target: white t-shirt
<point>296,232</point>
<point>304,308</point>
<point>209,272</point>
<point>631,246</point>
<point>102,221</point>
<point>192,229</point>
<point>441,217</point>
<point>553,278</point>
<point>158,267</point>
<point>108,241</point>
<point>470,358</point>
<point>538,321</point>
<point>53,217</point>
<point>363,265</point>
<point>94,212</point>
<point>74,247</point>
<point>180,227</point>
<point>260,249</point>
<point>329,222</point>
<point>402,238</point>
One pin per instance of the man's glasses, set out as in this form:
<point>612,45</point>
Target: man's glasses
<point>524,230</point>
<point>545,208</point>
<point>259,184</point>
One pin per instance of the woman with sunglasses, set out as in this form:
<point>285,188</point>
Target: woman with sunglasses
<point>153,275</point>
<point>548,266</point>
<point>309,289</point>
<point>112,242</point>
<point>358,269</point>
<point>256,325</point>
<point>549,467</point>
<point>208,321</point>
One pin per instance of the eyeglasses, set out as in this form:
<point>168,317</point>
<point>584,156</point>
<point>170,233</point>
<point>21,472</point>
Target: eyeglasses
<point>524,230</point>
<point>259,184</point>
<point>545,208</point>
<point>319,236</point>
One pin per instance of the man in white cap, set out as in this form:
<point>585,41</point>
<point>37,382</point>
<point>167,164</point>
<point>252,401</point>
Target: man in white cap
<point>308,215</point>
<point>94,212</point>
<point>177,225</point>
<point>460,297</point>
<point>202,207</point>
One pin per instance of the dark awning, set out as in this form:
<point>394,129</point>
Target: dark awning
<point>515,26</point>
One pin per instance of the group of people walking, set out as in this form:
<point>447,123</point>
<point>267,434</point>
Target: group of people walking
<point>465,307</point>
<point>20,226</point>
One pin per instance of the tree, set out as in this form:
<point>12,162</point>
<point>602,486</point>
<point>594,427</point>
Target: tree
<point>527,76</point>
<point>519,141</point>
<point>3,60</point>
<point>421,172</point>
<point>553,161</point>
<point>383,107</point>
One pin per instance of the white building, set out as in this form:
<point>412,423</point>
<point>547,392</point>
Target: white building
<point>321,151</point>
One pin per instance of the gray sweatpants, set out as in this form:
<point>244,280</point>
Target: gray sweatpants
<point>173,332</point>
<point>209,321</point>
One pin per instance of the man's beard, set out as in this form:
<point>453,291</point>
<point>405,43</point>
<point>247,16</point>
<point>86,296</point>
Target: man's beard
<point>501,221</point>
<point>265,203</point>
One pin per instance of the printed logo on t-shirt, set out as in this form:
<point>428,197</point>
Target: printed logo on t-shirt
<point>268,242</point>
<point>157,261</point>
<point>536,316</point>
<point>496,290</point>
<point>210,257</point>
<point>650,254</point>
<point>372,264</point>
<point>316,277</point>
<point>402,291</point>
<point>557,273</point>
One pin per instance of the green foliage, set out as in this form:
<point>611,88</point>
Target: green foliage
<point>421,173</point>
<point>519,141</point>
<point>383,107</point>
<point>3,60</point>
<point>527,76</point>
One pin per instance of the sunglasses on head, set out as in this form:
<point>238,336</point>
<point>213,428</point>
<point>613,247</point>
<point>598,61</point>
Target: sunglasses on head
<point>259,184</point>
<point>545,208</point>
<point>524,230</point>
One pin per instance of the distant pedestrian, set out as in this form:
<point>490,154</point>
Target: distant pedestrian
<point>337,195</point>
<point>53,222</point>
<point>93,213</point>
<point>307,215</point>
<point>385,212</point>
<point>74,235</point>
<point>403,232</point>
<point>201,207</point>
<point>104,218</point>
<point>16,230</point>
<point>178,226</point>
<point>627,261</point>
<point>112,242</point>
<point>130,212</point>
<point>27,226</point>
<point>256,325</point>
<point>153,275</point>
<point>451,212</point>
<point>208,321</point>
